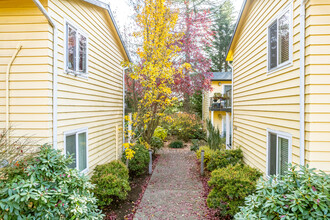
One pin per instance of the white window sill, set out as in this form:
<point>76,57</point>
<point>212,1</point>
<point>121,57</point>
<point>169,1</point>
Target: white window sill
<point>77,74</point>
<point>85,171</point>
<point>280,67</point>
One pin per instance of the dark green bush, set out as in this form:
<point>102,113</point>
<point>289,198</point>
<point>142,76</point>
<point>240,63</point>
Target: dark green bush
<point>176,144</point>
<point>156,143</point>
<point>214,139</point>
<point>140,161</point>
<point>230,185</point>
<point>195,145</point>
<point>222,158</point>
<point>300,194</point>
<point>45,188</point>
<point>111,182</point>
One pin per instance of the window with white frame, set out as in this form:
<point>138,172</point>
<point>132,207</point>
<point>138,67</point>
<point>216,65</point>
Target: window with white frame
<point>76,50</point>
<point>279,152</point>
<point>76,145</point>
<point>279,40</point>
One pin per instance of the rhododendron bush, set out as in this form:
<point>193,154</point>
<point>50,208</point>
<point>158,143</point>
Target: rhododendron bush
<point>43,187</point>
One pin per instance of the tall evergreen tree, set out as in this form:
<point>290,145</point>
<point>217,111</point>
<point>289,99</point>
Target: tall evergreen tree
<point>223,26</point>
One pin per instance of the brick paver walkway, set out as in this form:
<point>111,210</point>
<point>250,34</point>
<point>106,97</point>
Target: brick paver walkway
<point>174,191</point>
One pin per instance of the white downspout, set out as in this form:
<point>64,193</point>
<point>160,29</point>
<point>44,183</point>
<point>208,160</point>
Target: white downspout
<point>124,105</point>
<point>302,83</point>
<point>18,48</point>
<point>232,104</point>
<point>55,49</point>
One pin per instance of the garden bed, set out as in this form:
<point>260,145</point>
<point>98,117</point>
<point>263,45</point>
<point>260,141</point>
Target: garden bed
<point>125,209</point>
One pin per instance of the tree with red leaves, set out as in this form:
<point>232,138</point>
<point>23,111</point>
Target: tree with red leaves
<point>196,25</point>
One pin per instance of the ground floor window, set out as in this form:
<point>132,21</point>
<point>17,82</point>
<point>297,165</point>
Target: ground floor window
<point>75,143</point>
<point>279,151</point>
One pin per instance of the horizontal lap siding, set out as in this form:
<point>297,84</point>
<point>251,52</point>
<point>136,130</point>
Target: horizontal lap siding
<point>264,101</point>
<point>96,102</point>
<point>30,75</point>
<point>318,84</point>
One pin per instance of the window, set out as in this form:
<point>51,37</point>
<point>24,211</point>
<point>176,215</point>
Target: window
<point>279,41</point>
<point>76,145</point>
<point>76,50</point>
<point>279,152</point>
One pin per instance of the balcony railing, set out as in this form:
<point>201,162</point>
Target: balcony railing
<point>221,103</point>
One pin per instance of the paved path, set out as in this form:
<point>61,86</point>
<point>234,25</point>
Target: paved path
<point>174,191</point>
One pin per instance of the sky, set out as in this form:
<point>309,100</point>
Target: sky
<point>123,12</point>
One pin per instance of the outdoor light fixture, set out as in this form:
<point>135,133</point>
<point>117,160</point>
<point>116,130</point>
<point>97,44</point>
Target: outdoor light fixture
<point>219,83</point>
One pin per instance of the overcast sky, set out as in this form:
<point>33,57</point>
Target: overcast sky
<point>122,11</point>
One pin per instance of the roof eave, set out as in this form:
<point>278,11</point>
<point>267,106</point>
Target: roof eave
<point>229,53</point>
<point>107,7</point>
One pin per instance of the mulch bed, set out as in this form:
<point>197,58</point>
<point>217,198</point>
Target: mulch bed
<point>125,209</point>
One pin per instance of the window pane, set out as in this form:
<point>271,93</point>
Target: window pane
<point>82,151</point>
<point>272,154</point>
<point>71,48</point>
<point>272,45</point>
<point>82,53</point>
<point>284,38</point>
<point>283,147</point>
<point>71,148</point>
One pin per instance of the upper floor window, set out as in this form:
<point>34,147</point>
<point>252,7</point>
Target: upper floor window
<point>76,50</point>
<point>279,41</point>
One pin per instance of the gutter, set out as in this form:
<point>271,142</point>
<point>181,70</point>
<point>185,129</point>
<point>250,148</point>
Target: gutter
<point>232,104</point>
<point>302,82</point>
<point>55,71</point>
<point>124,105</point>
<point>18,48</point>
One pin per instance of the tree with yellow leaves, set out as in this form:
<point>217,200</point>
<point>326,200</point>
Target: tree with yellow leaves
<point>155,73</point>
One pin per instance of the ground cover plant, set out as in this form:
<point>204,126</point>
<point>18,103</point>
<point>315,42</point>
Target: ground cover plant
<point>111,182</point>
<point>43,187</point>
<point>300,194</point>
<point>138,164</point>
<point>176,144</point>
<point>230,185</point>
<point>222,158</point>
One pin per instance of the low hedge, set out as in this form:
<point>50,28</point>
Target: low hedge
<point>222,158</point>
<point>176,144</point>
<point>207,154</point>
<point>300,194</point>
<point>230,185</point>
<point>111,182</point>
<point>138,164</point>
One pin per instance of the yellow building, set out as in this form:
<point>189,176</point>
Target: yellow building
<point>217,104</point>
<point>61,76</point>
<point>280,54</point>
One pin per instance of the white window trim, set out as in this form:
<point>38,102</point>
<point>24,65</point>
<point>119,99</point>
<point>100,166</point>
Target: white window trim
<point>78,131</point>
<point>281,135</point>
<point>85,34</point>
<point>289,62</point>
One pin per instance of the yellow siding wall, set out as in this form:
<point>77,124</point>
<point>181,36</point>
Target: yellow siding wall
<point>95,103</point>
<point>264,101</point>
<point>318,84</point>
<point>217,121</point>
<point>31,72</point>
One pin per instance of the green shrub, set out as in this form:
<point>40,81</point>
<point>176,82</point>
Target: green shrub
<point>195,145</point>
<point>186,126</point>
<point>140,161</point>
<point>161,133</point>
<point>230,185</point>
<point>111,182</point>
<point>301,194</point>
<point>222,158</point>
<point>156,144</point>
<point>176,144</point>
<point>214,139</point>
<point>45,188</point>
<point>207,154</point>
